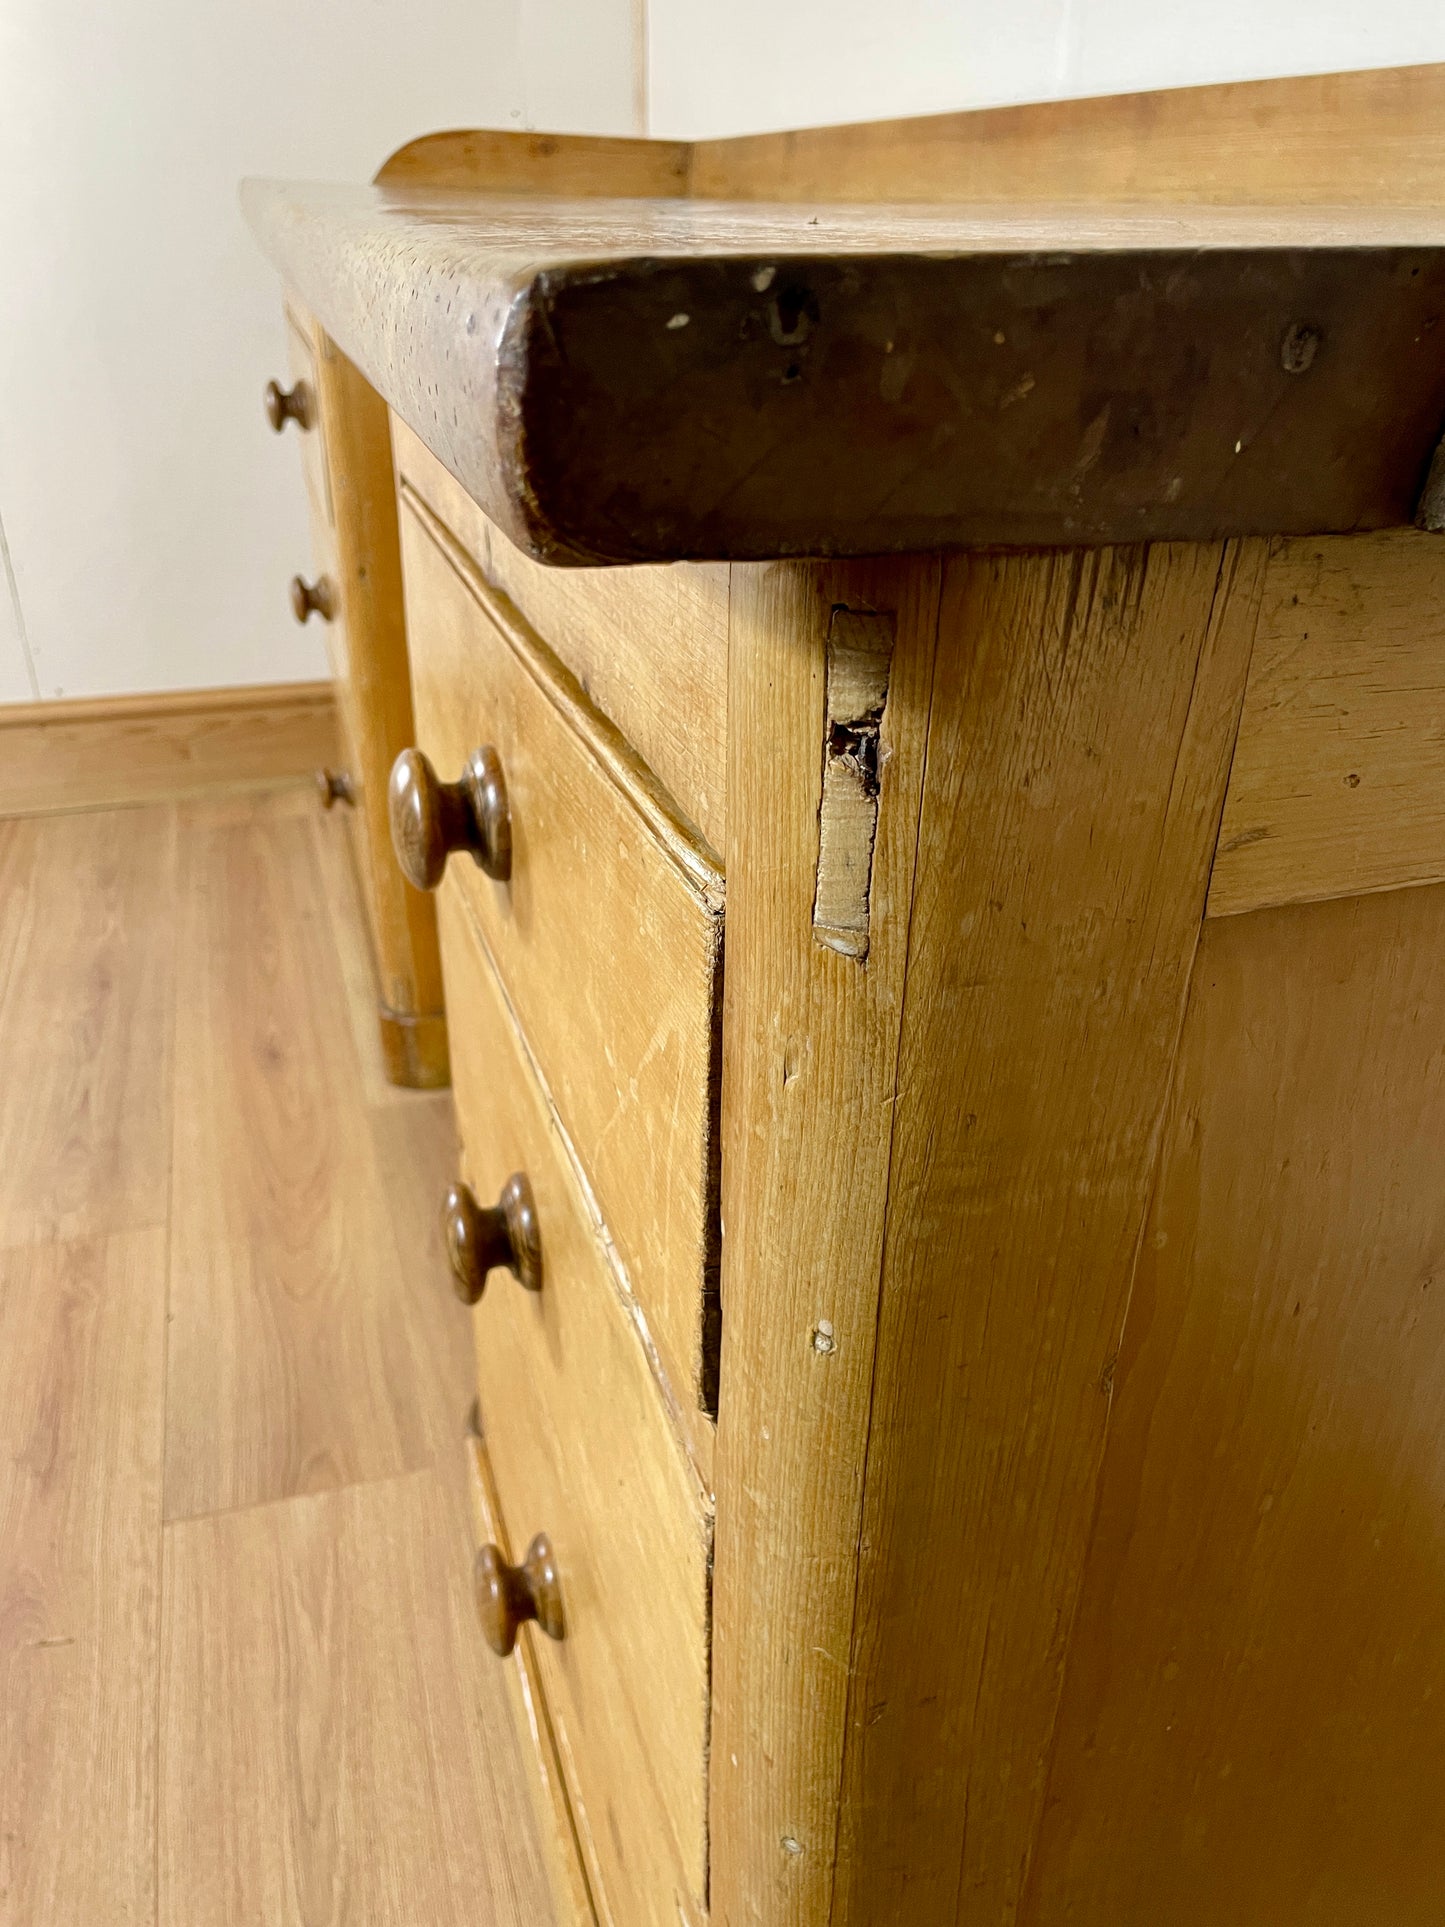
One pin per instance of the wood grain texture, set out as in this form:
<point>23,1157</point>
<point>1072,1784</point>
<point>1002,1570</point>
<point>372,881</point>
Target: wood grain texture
<point>860,651</point>
<point>290,1368</point>
<point>334,1746</point>
<point>648,645</point>
<point>417,1152</point>
<point>1255,1703</point>
<point>1338,784</point>
<point>143,749</point>
<point>346,456</point>
<point>85,1023</point>
<point>375,690</point>
<point>607,937</point>
<point>557,1831</point>
<point>302,342</point>
<point>1371,139</point>
<point>581,1449</point>
<point>82,1409</point>
<point>414,1129</point>
<point>342,894</point>
<point>17,862</point>
<point>811,1044</point>
<point>82,1358</point>
<point>1077,754</point>
<point>492,162</point>
<point>417,1149</point>
<point>838,384</point>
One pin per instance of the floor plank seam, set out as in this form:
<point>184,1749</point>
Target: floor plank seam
<point>430,1467</point>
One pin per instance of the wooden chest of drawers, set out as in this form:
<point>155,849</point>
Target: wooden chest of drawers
<point>354,590</point>
<point>608,933</point>
<point>947,1044</point>
<point>584,990</point>
<point>583,1448</point>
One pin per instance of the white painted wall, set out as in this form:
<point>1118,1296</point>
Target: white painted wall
<point>748,66</point>
<point>152,519</point>
<point>17,685</point>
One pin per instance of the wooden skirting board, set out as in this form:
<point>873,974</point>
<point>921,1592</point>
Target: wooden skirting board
<point>140,749</point>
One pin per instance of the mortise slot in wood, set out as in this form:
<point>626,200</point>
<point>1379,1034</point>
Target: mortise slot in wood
<point>860,653</point>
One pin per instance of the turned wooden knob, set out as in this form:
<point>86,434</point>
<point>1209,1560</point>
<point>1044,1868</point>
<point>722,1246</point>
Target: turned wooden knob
<point>430,819</point>
<point>312,598</point>
<point>289,405</point>
<point>334,786</point>
<point>508,1596</point>
<point>482,1237</point>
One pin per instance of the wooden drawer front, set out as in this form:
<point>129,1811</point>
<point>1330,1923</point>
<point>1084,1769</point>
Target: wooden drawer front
<point>607,937</point>
<point>301,356</point>
<point>571,1893</point>
<point>346,455</point>
<point>322,559</point>
<point>321,562</point>
<point>669,701</point>
<point>581,1449</point>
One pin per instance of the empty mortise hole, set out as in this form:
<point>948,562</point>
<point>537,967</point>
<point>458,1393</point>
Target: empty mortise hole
<point>857,743</point>
<point>792,316</point>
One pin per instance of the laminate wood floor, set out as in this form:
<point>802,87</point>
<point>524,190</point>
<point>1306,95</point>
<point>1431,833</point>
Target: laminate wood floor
<point>240,1678</point>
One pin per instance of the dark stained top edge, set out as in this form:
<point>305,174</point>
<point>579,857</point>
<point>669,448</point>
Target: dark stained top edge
<point>652,381</point>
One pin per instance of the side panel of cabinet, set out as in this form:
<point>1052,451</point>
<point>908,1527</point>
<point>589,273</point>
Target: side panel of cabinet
<point>1254,1713</point>
<point>353,502</point>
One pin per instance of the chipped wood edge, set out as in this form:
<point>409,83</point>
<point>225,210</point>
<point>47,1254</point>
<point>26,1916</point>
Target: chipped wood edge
<point>860,660</point>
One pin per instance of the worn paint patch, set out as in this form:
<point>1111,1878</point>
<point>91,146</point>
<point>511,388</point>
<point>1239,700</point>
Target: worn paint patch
<point>860,654</point>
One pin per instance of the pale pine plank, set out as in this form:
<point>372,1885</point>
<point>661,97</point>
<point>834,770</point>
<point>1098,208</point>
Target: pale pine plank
<point>1373,137</point>
<point>373,674</point>
<point>336,1744</point>
<point>571,1893</point>
<point>607,936</point>
<point>1254,1714</point>
<point>82,1355</point>
<point>294,1358</point>
<point>581,1447</point>
<point>1338,781</point>
<point>1077,757</point>
<point>85,1025</point>
<point>811,1049</point>
<point>604,624</point>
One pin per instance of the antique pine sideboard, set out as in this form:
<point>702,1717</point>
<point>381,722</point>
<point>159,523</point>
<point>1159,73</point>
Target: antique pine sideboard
<point>926,729</point>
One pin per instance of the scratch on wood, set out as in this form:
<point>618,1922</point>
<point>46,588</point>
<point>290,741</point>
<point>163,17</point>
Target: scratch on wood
<point>860,653</point>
